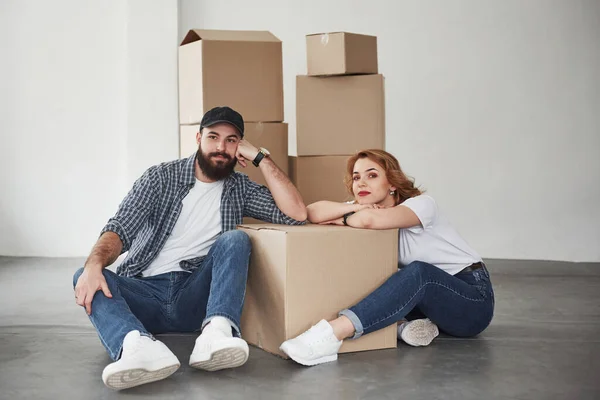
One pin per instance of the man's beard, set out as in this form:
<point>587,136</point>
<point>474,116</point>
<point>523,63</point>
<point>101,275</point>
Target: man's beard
<point>221,169</point>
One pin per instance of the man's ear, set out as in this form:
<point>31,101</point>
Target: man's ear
<point>198,136</point>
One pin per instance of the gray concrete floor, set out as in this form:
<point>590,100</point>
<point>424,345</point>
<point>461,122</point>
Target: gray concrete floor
<point>543,344</point>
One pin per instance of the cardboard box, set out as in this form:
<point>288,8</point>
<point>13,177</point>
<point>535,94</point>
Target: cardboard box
<point>339,115</point>
<point>299,275</point>
<point>320,178</point>
<point>187,140</point>
<point>272,135</point>
<point>239,69</point>
<point>341,53</point>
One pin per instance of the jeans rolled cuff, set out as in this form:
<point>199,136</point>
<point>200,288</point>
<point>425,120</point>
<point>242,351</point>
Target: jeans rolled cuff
<point>235,326</point>
<point>358,326</point>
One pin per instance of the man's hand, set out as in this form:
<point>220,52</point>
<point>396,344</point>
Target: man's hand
<point>286,195</point>
<point>105,252</point>
<point>90,281</point>
<point>246,152</point>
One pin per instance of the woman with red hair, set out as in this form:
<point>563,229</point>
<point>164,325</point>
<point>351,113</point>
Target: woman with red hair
<point>442,281</point>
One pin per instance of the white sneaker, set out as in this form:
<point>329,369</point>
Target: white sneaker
<point>143,360</point>
<point>317,345</point>
<point>419,332</point>
<point>216,348</point>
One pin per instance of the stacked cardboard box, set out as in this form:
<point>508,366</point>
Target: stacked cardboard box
<point>239,69</point>
<point>299,275</point>
<point>340,109</point>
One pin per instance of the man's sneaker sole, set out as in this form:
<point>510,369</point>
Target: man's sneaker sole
<point>229,354</point>
<point>308,363</point>
<point>419,332</point>
<point>134,377</point>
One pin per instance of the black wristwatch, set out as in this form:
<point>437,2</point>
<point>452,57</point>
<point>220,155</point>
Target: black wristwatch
<point>262,153</point>
<point>345,218</point>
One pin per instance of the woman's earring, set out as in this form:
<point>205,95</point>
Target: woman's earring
<point>392,192</point>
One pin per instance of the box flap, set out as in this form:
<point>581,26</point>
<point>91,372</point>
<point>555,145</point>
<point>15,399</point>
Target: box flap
<point>236,36</point>
<point>258,227</point>
<point>294,228</point>
<point>324,33</point>
<point>333,33</point>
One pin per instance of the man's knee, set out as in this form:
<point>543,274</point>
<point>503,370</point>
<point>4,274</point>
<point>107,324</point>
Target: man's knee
<point>76,276</point>
<point>108,275</point>
<point>236,238</point>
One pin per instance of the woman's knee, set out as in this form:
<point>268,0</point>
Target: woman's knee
<point>418,267</point>
<point>417,270</point>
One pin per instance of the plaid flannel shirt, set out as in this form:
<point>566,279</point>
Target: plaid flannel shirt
<point>148,213</point>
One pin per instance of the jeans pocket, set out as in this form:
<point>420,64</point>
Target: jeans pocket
<point>480,282</point>
<point>482,275</point>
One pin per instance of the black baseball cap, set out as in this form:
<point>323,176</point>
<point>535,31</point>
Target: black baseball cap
<point>220,115</point>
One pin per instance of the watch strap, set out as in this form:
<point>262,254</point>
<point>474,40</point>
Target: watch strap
<point>258,158</point>
<point>345,218</point>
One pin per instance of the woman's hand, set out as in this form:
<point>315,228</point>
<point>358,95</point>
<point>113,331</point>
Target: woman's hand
<point>360,207</point>
<point>369,207</point>
<point>340,220</point>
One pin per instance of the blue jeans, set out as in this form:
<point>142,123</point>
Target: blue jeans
<point>174,301</point>
<point>461,305</point>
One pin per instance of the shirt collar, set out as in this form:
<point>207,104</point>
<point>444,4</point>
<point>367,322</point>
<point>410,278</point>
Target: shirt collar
<point>187,176</point>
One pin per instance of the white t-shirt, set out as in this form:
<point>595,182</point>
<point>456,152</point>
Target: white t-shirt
<point>196,229</point>
<point>436,241</point>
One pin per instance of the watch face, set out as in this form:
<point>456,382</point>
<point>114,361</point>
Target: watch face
<point>265,151</point>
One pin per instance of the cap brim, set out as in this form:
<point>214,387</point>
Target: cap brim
<point>240,131</point>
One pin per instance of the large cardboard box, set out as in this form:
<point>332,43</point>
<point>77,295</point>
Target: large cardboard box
<point>341,53</point>
<point>272,135</point>
<point>299,275</point>
<point>320,177</point>
<point>239,69</point>
<point>339,115</point>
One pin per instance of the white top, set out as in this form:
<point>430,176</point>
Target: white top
<point>436,241</point>
<point>196,229</point>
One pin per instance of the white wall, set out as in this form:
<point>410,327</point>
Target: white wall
<point>88,100</point>
<point>153,121</point>
<point>494,106</point>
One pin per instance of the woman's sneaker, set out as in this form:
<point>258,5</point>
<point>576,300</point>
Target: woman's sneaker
<point>315,346</point>
<point>143,360</point>
<point>419,332</point>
